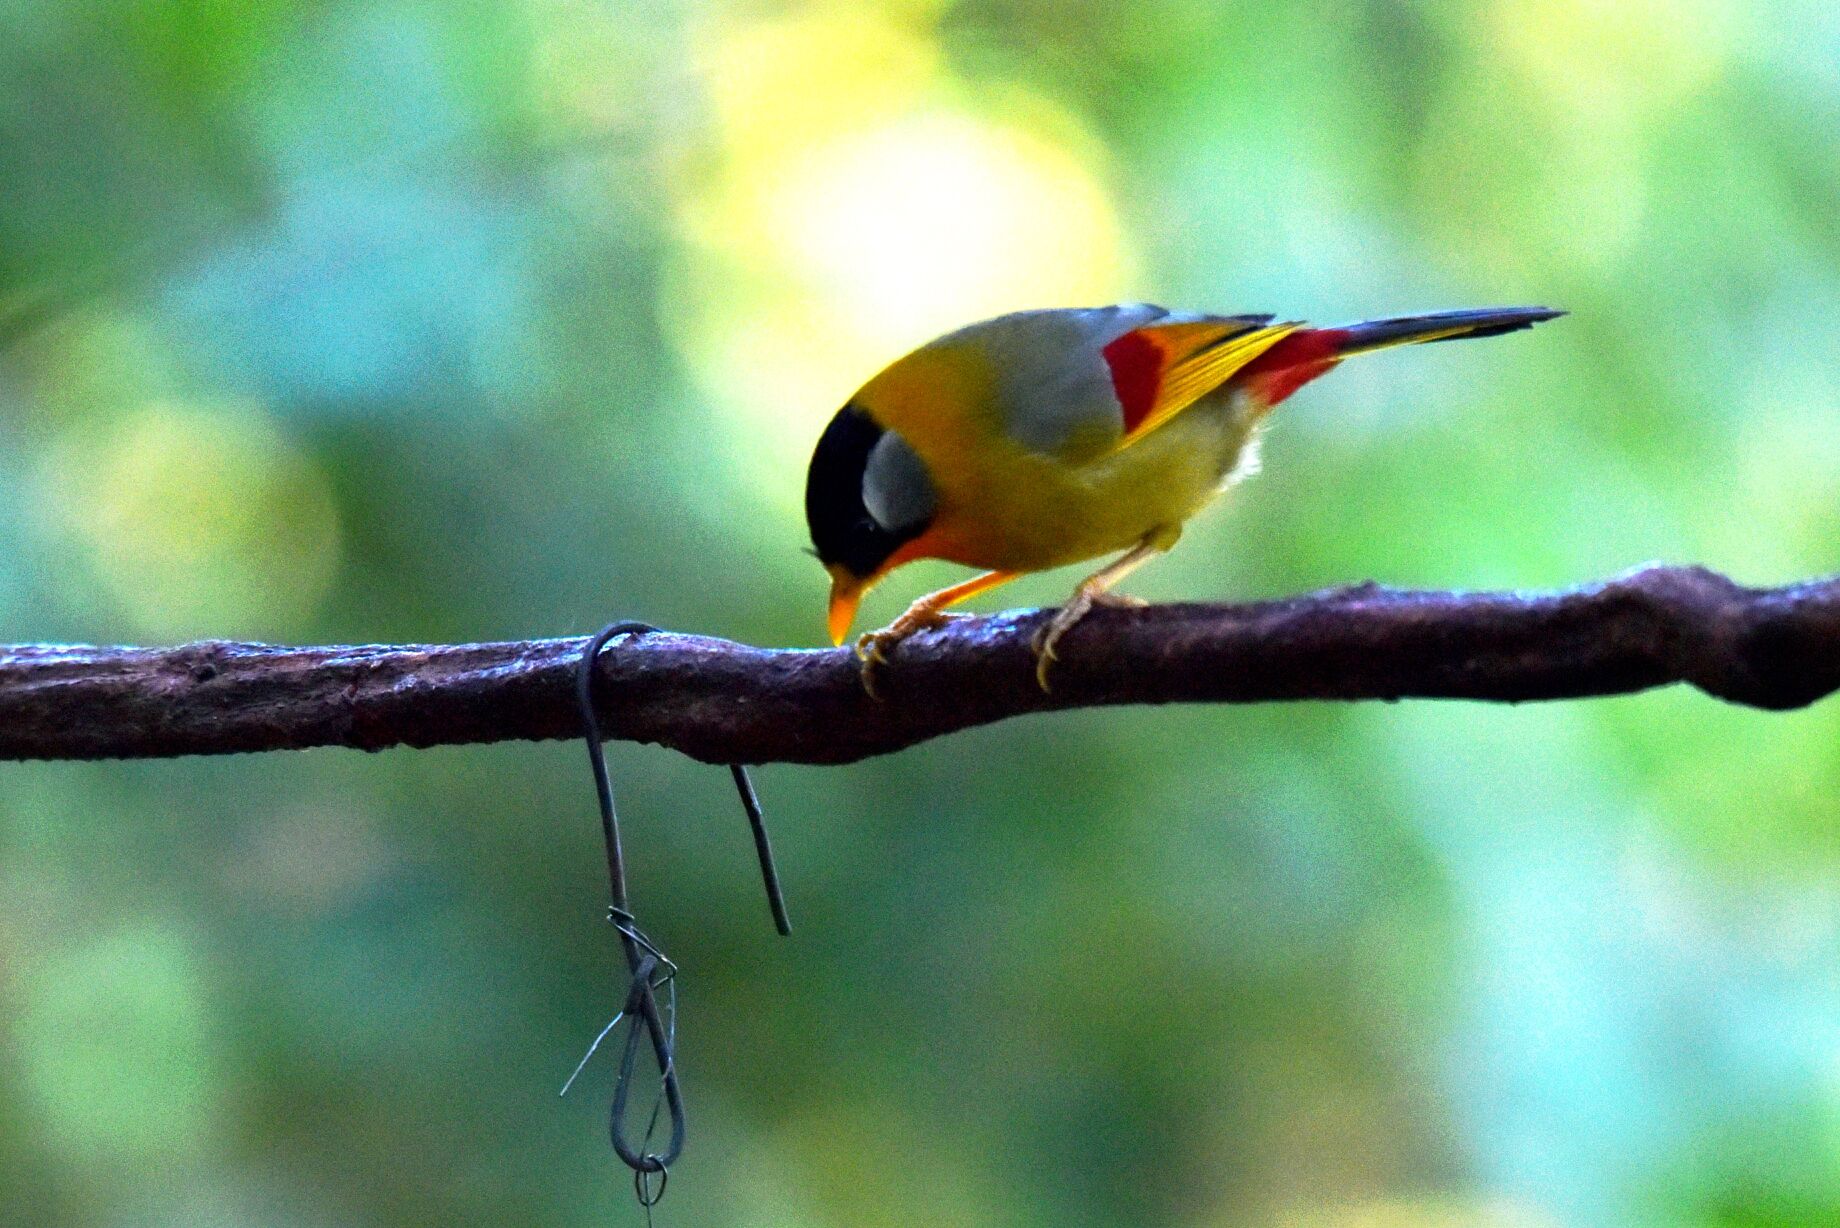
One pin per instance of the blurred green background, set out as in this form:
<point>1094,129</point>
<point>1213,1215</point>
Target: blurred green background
<point>393,320</point>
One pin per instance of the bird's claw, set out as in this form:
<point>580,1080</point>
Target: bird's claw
<point>872,647</point>
<point>1077,607</point>
<point>1045,639</point>
<point>869,651</point>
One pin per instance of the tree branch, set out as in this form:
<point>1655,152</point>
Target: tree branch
<point>721,702</point>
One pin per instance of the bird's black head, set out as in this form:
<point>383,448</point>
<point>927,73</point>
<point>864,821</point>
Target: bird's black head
<point>866,494</point>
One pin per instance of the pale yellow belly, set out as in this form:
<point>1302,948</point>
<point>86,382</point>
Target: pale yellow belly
<point>1019,511</point>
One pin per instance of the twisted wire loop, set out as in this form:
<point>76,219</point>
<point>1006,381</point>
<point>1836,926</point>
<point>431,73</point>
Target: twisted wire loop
<point>642,1005</point>
<point>650,969</point>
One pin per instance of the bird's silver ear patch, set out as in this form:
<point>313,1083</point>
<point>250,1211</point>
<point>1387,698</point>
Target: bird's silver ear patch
<point>897,490</point>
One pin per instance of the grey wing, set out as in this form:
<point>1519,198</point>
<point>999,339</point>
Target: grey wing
<point>1055,392</point>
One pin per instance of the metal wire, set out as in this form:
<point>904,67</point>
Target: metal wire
<point>763,848</point>
<point>650,969</point>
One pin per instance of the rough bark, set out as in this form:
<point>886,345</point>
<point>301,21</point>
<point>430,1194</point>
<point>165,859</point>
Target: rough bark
<point>724,702</point>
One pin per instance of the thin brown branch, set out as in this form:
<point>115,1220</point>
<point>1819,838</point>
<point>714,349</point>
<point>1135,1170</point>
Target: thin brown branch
<point>722,702</point>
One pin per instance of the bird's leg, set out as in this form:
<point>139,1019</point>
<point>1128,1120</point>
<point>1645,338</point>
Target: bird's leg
<point>1096,589</point>
<point>926,613</point>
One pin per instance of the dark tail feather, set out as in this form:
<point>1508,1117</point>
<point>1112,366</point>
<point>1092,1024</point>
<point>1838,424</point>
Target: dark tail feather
<point>1438,326</point>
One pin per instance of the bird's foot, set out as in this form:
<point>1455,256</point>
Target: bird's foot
<point>1077,607</point>
<point>873,647</point>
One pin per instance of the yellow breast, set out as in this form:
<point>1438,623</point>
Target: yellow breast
<point>1004,507</point>
<point>1014,510</point>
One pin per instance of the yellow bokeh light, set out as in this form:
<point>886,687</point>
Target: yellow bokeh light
<point>776,85</point>
<point>854,201</point>
<point>194,519</point>
<point>913,228</point>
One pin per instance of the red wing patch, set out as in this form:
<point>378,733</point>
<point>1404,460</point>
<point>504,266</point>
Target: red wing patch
<point>1136,363</point>
<point>1161,369</point>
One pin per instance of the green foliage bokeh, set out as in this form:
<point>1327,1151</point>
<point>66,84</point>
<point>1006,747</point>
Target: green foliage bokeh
<point>404,320</point>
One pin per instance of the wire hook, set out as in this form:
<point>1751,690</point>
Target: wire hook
<point>744,785</point>
<point>650,968</point>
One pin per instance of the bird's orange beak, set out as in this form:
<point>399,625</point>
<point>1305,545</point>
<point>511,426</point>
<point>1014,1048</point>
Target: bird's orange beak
<point>846,595</point>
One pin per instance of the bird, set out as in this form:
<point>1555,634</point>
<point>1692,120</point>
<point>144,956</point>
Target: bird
<point>1043,438</point>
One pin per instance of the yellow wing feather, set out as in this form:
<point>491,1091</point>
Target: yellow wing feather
<point>1199,357</point>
